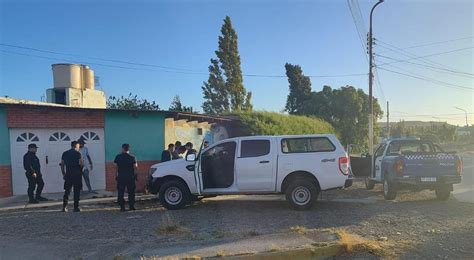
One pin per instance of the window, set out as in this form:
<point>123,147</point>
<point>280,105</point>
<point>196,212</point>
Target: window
<point>380,150</point>
<point>90,136</point>
<point>217,166</point>
<point>407,147</point>
<point>27,137</point>
<point>254,148</point>
<point>307,145</point>
<point>438,149</point>
<point>58,137</point>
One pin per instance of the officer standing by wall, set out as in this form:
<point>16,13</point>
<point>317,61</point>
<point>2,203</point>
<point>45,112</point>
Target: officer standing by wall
<point>126,177</point>
<point>71,168</point>
<point>32,166</point>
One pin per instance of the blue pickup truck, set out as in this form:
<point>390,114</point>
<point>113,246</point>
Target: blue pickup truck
<point>412,164</point>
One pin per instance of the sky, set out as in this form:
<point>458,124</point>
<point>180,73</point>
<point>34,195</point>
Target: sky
<point>180,37</point>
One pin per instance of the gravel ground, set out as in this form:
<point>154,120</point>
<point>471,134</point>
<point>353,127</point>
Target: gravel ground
<point>414,226</point>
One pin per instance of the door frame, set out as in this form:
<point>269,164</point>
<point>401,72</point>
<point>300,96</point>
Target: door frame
<point>198,173</point>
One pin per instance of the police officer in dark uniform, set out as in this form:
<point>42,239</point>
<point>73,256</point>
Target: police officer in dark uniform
<point>126,177</point>
<point>71,168</point>
<point>32,167</point>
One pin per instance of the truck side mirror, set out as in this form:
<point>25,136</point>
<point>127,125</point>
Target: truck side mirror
<point>191,157</point>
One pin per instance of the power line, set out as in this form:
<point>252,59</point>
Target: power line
<point>94,58</point>
<point>358,30</point>
<point>171,71</point>
<point>436,43</point>
<point>408,54</point>
<point>462,73</point>
<point>441,83</point>
<point>361,31</point>
<point>430,55</point>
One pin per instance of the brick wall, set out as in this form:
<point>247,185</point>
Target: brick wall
<point>50,117</point>
<point>5,181</point>
<point>142,172</point>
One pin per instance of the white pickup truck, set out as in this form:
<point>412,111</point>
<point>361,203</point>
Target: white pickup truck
<point>298,166</point>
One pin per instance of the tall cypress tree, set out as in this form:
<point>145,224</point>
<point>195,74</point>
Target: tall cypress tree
<point>215,91</point>
<point>233,96</point>
<point>300,89</point>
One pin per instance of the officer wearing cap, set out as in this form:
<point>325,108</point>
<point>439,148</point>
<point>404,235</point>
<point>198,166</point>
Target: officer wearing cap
<point>71,168</point>
<point>32,167</point>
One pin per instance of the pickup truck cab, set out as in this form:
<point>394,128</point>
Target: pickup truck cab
<point>409,163</point>
<point>298,166</point>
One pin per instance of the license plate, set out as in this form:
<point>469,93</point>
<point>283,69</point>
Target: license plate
<point>428,179</point>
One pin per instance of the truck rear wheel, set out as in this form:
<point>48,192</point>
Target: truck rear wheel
<point>301,194</point>
<point>443,192</point>
<point>174,195</point>
<point>369,184</point>
<point>389,189</point>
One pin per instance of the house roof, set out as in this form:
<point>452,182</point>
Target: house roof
<point>176,115</point>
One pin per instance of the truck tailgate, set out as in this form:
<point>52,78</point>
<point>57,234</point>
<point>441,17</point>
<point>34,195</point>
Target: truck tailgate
<point>430,164</point>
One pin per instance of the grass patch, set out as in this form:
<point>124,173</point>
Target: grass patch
<point>271,123</point>
<point>274,248</point>
<point>168,227</point>
<point>386,248</point>
<point>299,229</point>
<point>220,253</point>
<point>119,257</point>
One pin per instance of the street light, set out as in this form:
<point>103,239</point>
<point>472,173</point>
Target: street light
<point>464,112</point>
<point>371,108</point>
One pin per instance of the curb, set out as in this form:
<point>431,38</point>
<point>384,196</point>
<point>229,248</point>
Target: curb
<point>60,203</point>
<point>302,253</point>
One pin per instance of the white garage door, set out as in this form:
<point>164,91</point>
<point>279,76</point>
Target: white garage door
<point>52,143</point>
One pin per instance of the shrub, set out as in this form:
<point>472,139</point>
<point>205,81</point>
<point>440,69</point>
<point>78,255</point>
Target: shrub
<point>271,123</point>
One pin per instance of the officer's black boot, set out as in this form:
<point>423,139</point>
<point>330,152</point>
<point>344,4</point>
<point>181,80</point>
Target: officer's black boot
<point>32,201</point>
<point>76,206</point>
<point>64,204</point>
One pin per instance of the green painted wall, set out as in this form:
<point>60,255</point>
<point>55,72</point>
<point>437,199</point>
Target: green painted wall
<point>143,131</point>
<point>4,139</point>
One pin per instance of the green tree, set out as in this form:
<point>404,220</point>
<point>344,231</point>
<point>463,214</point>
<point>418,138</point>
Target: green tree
<point>233,96</point>
<point>215,92</point>
<point>300,89</point>
<point>176,105</point>
<point>346,109</point>
<point>132,102</point>
<point>248,102</point>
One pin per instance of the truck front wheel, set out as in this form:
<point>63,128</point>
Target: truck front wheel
<point>174,195</point>
<point>301,194</point>
<point>443,192</point>
<point>389,189</point>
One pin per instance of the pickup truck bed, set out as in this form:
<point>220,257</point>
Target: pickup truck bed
<point>410,164</point>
